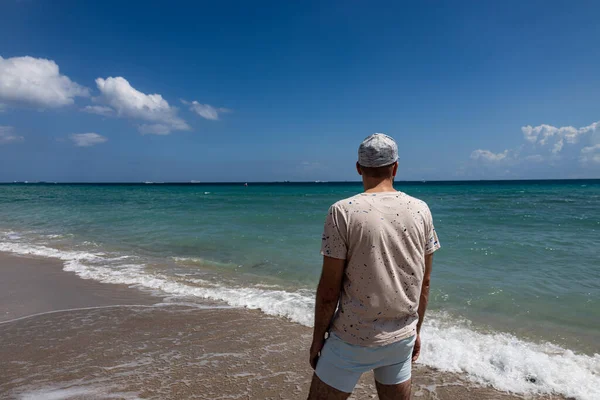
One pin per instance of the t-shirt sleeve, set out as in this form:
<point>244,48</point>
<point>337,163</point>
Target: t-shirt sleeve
<point>432,243</point>
<point>334,243</point>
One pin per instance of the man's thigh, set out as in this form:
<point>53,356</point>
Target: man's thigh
<point>400,391</point>
<point>319,390</point>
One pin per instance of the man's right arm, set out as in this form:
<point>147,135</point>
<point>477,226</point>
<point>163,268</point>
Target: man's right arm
<point>423,300</point>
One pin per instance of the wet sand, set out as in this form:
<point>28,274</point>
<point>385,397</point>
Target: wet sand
<point>111,341</point>
<point>37,285</point>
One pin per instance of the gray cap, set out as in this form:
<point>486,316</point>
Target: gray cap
<point>377,150</point>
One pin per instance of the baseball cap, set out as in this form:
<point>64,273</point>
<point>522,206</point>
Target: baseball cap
<point>377,150</point>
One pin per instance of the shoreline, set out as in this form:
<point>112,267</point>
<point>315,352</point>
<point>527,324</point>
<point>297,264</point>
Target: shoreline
<point>73,338</point>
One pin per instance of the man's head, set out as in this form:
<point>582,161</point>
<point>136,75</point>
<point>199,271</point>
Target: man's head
<point>378,157</point>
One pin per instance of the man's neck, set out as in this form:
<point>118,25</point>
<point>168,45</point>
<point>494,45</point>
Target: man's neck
<point>386,185</point>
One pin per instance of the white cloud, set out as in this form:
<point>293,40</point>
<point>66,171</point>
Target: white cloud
<point>100,110</point>
<point>542,134</point>
<point>131,103</point>
<point>7,135</point>
<point>590,128</point>
<point>592,158</point>
<point>38,82</point>
<point>487,155</point>
<point>205,110</point>
<point>590,149</point>
<point>87,139</point>
<point>545,145</point>
<point>558,146</point>
<point>590,154</point>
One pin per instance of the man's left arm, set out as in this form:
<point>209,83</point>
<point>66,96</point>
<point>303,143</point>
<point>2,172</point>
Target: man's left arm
<point>328,296</point>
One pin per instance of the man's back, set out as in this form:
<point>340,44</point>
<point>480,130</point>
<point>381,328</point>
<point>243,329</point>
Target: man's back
<point>374,287</point>
<point>384,237</point>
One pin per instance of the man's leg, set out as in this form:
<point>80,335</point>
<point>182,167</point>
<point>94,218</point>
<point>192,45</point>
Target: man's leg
<point>400,391</point>
<point>393,380</point>
<point>319,390</point>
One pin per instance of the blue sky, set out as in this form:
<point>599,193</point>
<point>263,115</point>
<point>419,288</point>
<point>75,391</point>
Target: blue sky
<point>266,91</point>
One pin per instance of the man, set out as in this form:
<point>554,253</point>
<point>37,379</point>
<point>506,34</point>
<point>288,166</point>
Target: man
<point>377,258</point>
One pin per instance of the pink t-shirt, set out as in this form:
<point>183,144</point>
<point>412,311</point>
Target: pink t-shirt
<point>384,237</point>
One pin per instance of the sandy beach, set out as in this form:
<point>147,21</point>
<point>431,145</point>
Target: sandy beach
<point>68,338</point>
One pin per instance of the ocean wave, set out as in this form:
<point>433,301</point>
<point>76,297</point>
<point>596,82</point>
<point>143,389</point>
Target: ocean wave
<point>507,362</point>
<point>43,251</point>
<point>498,359</point>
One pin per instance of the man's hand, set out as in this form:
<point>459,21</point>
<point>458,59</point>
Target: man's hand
<point>417,349</point>
<point>315,349</point>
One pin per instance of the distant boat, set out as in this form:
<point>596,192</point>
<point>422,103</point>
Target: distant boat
<point>246,184</point>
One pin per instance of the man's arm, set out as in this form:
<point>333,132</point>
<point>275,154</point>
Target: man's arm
<point>328,296</point>
<point>423,300</point>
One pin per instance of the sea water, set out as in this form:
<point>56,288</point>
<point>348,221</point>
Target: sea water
<point>515,298</point>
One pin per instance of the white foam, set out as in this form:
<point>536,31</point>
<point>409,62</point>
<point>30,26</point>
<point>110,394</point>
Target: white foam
<point>293,305</point>
<point>507,362</point>
<point>501,360</point>
<point>13,236</point>
<point>54,236</point>
<point>58,393</point>
<point>200,262</point>
<point>43,251</point>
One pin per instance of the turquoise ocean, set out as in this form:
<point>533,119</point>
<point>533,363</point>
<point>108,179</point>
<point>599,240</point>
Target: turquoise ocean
<point>515,299</point>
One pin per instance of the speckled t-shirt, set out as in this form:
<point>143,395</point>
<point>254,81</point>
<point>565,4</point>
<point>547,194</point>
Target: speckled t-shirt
<point>384,237</point>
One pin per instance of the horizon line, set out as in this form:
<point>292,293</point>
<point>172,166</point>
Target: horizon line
<point>194,182</point>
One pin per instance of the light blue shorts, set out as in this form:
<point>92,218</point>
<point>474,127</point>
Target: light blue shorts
<point>341,364</point>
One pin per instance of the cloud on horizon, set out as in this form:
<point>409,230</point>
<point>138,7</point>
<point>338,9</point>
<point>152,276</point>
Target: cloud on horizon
<point>7,135</point>
<point>206,111</point>
<point>542,134</point>
<point>590,154</point>
<point>37,82</point>
<point>488,155</point>
<point>554,140</point>
<point>87,139</point>
<point>127,102</point>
